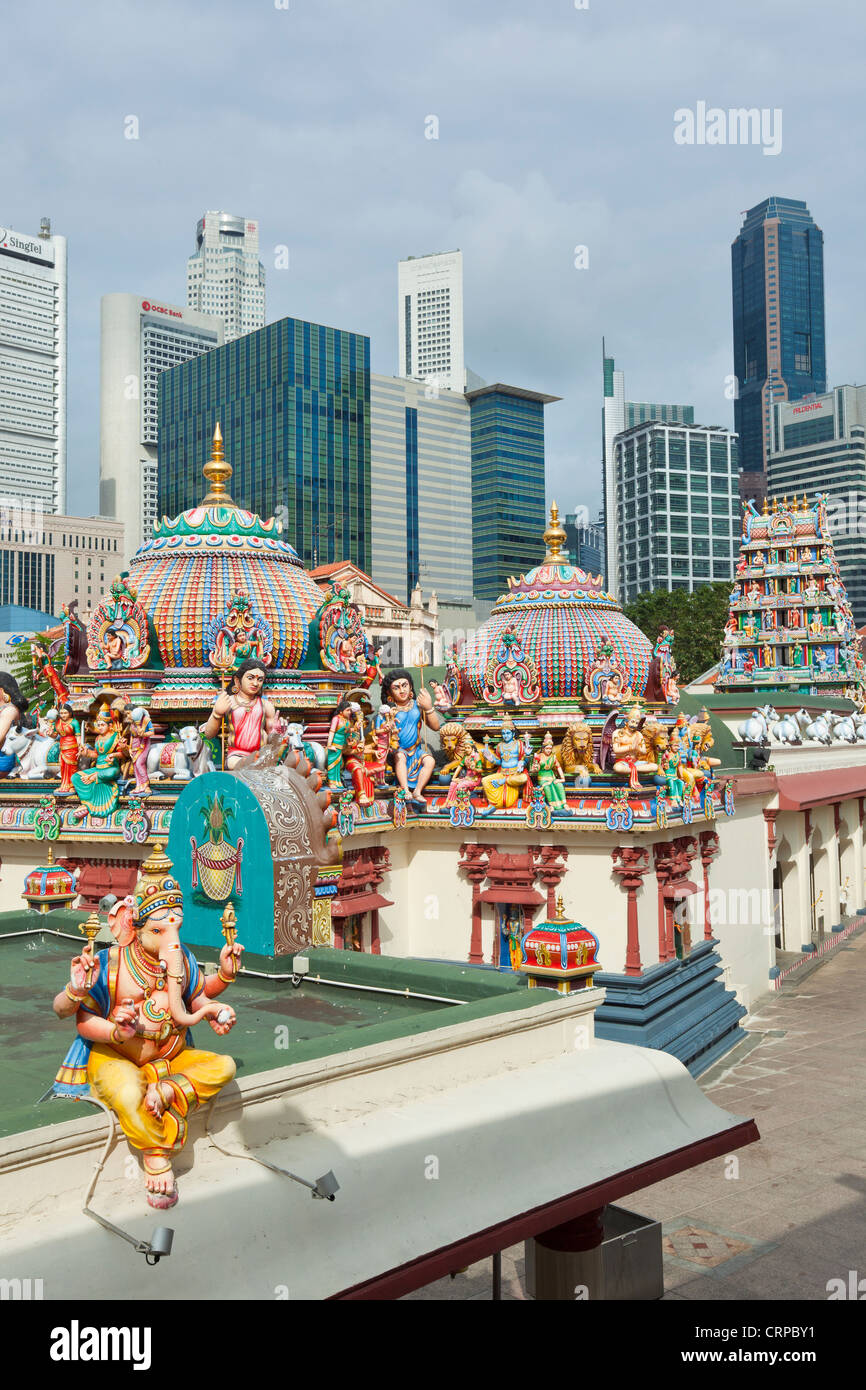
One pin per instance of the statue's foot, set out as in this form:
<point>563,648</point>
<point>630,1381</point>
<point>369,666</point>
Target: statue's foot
<point>157,1097</point>
<point>159,1184</point>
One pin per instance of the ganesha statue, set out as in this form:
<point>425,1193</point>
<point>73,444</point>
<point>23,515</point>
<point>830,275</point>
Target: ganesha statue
<point>134,1004</point>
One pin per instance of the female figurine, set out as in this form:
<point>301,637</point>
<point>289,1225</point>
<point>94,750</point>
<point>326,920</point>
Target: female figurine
<point>346,750</point>
<point>467,774</point>
<point>551,777</point>
<point>98,789</point>
<point>140,734</point>
<point>67,730</point>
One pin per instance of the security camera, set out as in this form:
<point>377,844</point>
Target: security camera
<point>326,1186</point>
<point>160,1244</point>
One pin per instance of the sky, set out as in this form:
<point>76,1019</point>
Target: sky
<point>556,124</point>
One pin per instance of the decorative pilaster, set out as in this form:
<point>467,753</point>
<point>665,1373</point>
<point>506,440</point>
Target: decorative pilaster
<point>551,871</point>
<point>634,863</point>
<point>710,848</point>
<point>474,864</point>
<point>770,821</point>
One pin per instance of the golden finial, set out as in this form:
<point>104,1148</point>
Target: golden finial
<point>50,857</point>
<point>785,503</point>
<point>229,924</point>
<point>554,538</point>
<point>90,928</point>
<point>775,506</point>
<point>560,909</point>
<point>766,508</point>
<point>217,471</point>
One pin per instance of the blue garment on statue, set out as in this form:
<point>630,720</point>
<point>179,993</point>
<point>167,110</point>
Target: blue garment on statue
<point>71,1079</point>
<point>408,722</point>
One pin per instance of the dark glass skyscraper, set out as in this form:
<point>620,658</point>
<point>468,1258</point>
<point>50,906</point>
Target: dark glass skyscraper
<point>777,268</point>
<point>293,400</point>
<point>508,515</point>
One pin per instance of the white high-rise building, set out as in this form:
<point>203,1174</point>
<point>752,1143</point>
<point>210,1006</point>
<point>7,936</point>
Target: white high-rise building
<point>140,339</point>
<point>224,275</point>
<point>430,319</point>
<point>33,368</point>
<point>420,489</point>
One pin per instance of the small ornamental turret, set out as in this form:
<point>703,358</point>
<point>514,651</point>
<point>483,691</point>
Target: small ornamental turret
<point>560,954</point>
<point>49,886</point>
<point>790,625</point>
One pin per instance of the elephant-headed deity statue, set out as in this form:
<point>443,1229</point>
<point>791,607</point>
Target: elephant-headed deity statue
<point>134,1004</point>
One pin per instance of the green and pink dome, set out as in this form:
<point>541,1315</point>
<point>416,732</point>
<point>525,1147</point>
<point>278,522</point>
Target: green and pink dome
<point>186,575</point>
<point>562,617</point>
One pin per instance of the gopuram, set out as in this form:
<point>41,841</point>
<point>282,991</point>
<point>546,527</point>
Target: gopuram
<point>790,626</point>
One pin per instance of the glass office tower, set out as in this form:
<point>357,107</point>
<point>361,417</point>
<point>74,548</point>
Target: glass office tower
<point>777,268</point>
<point>293,400</point>
<point>508,515</point>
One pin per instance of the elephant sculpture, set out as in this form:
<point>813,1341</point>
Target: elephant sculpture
<point>133,1051</point>
<point>179,759</point>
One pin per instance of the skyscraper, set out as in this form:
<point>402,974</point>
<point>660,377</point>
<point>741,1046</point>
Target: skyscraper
<point>777,273</point>
<point>224,275</point>
<point>420,489</point>
<point>678,507</point>
<point>33,368</point>
<point>618,414</point>
<point>140,338</point>
<point>430,319</point>
<point>508,512</point>
<point>819,445</point>
<point>293,401</point>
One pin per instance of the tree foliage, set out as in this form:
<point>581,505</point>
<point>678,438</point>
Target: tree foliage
<point>698,621</point>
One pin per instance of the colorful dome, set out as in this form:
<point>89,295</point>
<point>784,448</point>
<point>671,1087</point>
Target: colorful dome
<point>49,885</point>
<point>186,576</point>
<point>562,617</point>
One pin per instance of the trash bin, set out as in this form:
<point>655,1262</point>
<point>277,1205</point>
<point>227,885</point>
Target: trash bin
<point>626,1267</point>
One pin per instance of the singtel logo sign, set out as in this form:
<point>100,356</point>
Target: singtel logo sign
<point>26,246</point>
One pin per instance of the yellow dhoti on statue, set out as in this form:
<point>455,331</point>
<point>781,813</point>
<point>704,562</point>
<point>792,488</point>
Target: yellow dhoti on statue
<point>194,1077</point>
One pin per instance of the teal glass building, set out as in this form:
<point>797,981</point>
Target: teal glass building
<point>293,401</point>
<point>508,513</point>
<point>777,273</point>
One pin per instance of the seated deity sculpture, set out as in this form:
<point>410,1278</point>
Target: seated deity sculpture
<point>134,1005</point>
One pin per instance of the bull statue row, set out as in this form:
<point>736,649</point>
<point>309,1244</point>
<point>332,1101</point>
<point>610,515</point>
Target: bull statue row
<point>766,726</point>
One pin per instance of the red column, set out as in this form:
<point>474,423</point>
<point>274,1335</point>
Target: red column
<point>662,862</point>
<point>375,945</point>
<point>634,863</point>
<point>337,925</point>
<point>474,862</point>
<point>551,870</point>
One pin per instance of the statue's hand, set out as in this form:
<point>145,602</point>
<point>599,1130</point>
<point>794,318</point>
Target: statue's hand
<point>82,971</point>
<point>230,960</point>
<point>222,1018</point>
<point>424,700</point>
<point>222,704</point>
<point>125,1020</point>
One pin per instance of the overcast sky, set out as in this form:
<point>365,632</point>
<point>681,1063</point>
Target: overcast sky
<point>556,130</point>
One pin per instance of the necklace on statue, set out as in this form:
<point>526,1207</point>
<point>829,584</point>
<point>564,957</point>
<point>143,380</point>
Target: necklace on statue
<point>147,976</point>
